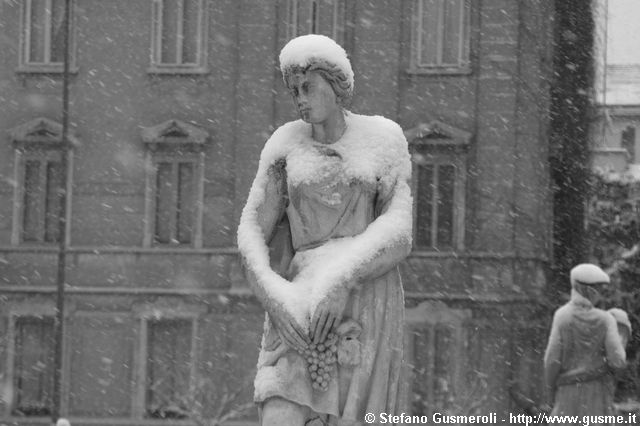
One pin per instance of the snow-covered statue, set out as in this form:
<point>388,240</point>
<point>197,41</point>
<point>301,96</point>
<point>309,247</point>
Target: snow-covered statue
<point>327,221</point>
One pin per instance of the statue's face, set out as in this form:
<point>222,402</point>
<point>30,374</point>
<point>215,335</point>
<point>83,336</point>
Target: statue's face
<point>313,97</point>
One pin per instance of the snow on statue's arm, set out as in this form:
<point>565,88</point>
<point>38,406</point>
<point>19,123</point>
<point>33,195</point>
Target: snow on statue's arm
<point>350,262</point>
<point>553,356</point>
<point>260,216</point>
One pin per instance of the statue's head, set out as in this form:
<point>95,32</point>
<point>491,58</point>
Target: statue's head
<point>322,55</point>
<point>589,280</point>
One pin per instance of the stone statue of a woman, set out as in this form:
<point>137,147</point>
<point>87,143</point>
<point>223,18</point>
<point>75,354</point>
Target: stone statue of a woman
<point>327,221</point>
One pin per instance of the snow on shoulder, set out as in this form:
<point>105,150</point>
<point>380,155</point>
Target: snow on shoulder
<point>372,149</point>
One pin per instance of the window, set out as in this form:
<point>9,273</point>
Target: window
<point>42,36</point>
<point>326,17</point>
<point>174,201</point>
<point>175,182</point>
<point>33,366</point>
<point>38,172</point>
<point>629,142</point>
<point>431,386</point>
<point>178,36</point>
<point>439,179</point>
<point>42,200</point>
<point>166,362</point>
<point>435,343</point>
<point>440,36</point>
<point>435,204</point>
<point>169,368</point>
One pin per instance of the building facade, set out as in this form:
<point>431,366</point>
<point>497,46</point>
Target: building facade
<point>171,102</point>
<point>615,139</point>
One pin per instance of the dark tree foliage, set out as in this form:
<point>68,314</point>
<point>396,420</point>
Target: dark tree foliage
<point>613,226</point>
<point>570,114</point>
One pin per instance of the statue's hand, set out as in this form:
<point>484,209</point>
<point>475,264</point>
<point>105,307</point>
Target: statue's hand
<point>290,332</point>
<point>328,314</point>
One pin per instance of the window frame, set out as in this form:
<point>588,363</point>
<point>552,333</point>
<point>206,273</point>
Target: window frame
<point>417,25</point>
<point>440,144</point>
<point>431,317</point>
<point>39,139</point>
<point>37,310</point>
<point>162,146</point>
<point>47,67</point>
<point>42,157</point>
<point>156,66</point>
<point>437,158</point>
<point>197,161</point>
<point>146,314</point>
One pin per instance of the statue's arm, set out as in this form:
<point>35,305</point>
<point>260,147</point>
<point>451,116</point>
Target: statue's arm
<point>553,358</point>
<point>394,212</point>
<point>264,209</point>
<point>615,352</point>
<point>350,262</point>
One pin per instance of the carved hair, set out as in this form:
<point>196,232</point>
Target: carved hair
<point>330,72</point>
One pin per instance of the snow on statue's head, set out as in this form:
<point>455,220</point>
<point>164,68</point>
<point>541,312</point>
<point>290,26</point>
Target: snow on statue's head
<point>589,280</point>
<point>314,52</point>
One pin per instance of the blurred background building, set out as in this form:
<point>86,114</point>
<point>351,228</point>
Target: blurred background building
<point>615,137</point>
<point>171,102</point>
<point>615,134</point>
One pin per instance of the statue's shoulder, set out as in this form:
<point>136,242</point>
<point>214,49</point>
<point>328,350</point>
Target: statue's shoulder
<point>379,127</point>
<point>384,142</point>
<point>282,141</point>
<point>563,314</point>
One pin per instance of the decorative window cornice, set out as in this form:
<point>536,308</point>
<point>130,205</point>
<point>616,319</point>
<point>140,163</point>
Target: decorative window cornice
<point>40,132</point>
<point>174,133</point>
<point>437,133</point>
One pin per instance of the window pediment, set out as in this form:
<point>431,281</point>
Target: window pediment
<point>437,133</point>
<point>174,133</point>
<point>39,131</point>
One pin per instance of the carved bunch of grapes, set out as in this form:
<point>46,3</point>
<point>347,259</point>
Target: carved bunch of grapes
<point>321,359</point>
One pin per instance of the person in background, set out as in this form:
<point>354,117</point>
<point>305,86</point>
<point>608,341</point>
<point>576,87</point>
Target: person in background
<point>584,348</point>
